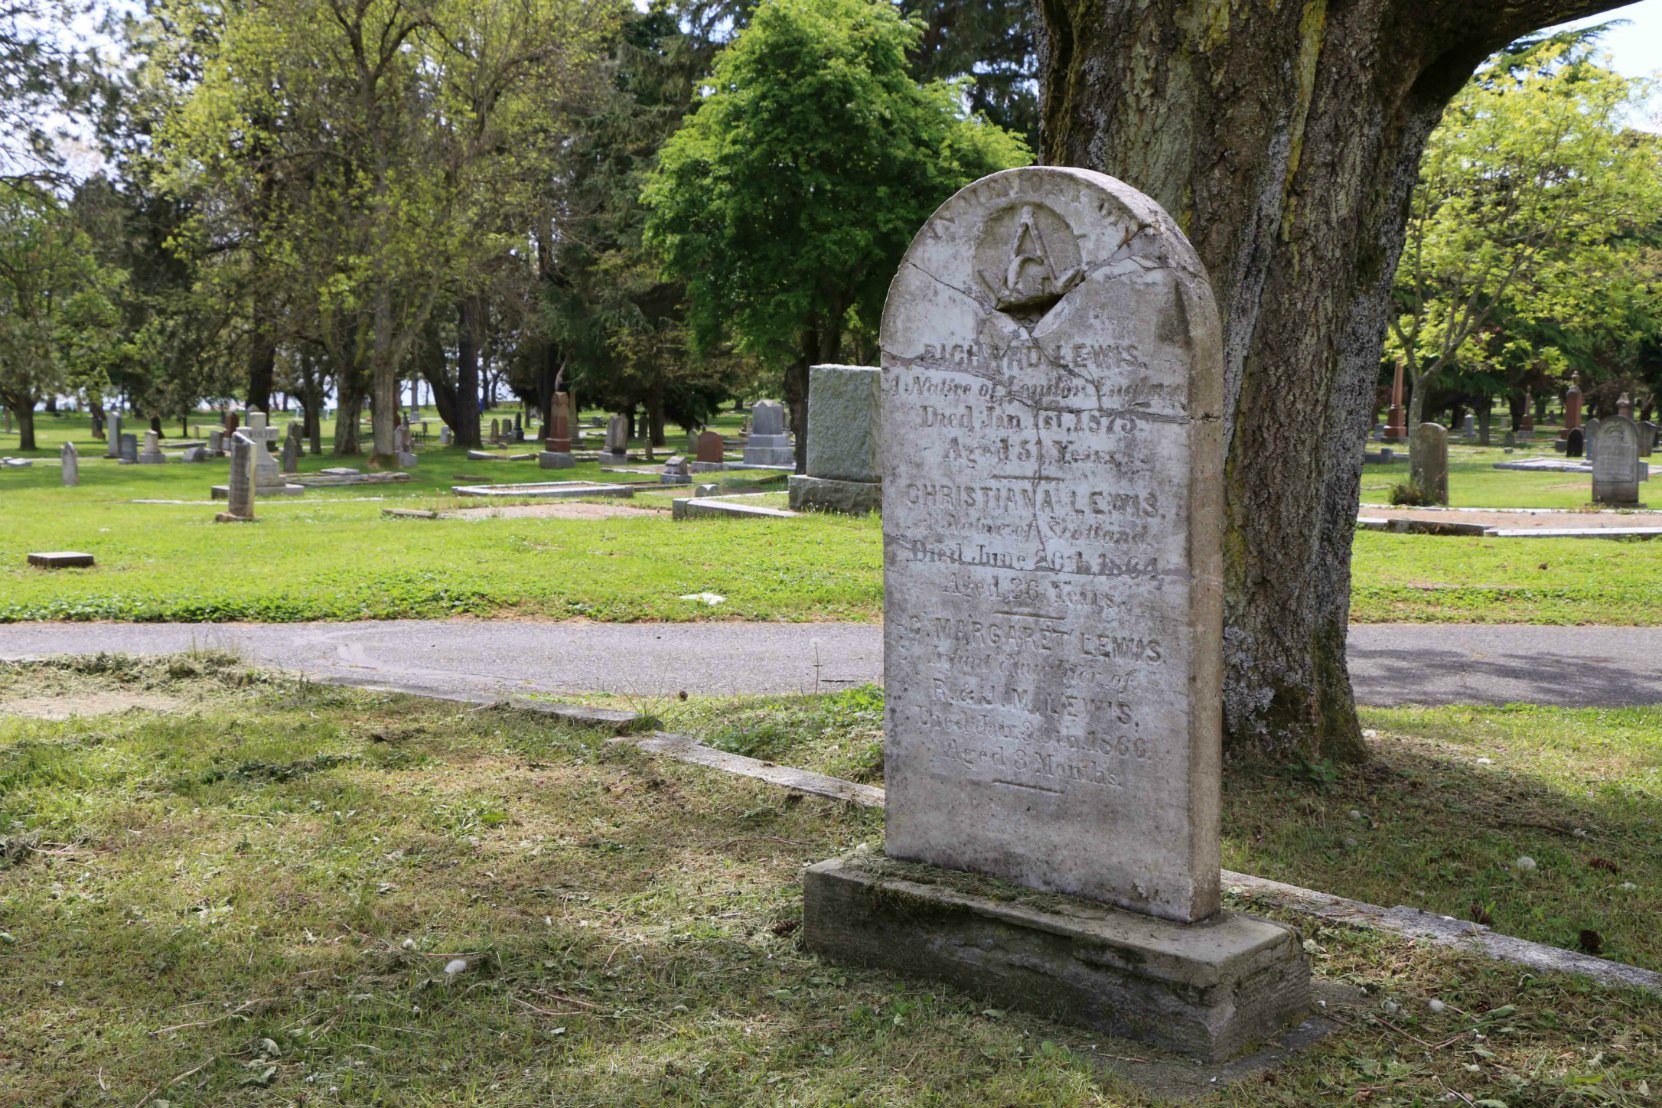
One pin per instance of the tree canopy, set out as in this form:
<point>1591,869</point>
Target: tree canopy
<point>788,197</point>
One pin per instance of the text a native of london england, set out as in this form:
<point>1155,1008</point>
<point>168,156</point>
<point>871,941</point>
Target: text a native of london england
<point>1052,464</point>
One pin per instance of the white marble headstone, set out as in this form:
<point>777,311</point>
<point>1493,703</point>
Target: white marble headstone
<point>1052,456</point>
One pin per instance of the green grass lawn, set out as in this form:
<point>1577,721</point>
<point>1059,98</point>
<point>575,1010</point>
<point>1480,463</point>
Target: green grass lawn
<point>1474,482</point>
<point>248,891</point>
<point>331,555</point>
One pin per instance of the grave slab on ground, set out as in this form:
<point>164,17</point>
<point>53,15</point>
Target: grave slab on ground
<point>545,489</point>
<point>1053,629</point>
<point>60,559</point>
<point>729,507</point>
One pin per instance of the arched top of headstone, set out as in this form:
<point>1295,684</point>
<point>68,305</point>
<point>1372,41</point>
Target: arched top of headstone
<point>1021,254</point>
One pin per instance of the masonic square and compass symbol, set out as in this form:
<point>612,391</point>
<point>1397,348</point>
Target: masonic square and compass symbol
<point>1028,258</point>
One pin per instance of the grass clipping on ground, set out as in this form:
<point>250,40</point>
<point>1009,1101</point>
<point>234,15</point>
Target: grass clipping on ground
<point>278,892</point>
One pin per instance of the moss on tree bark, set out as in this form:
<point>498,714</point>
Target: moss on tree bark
<point>1286,139</point>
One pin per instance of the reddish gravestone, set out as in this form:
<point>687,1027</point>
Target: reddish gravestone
<point>711,448</point>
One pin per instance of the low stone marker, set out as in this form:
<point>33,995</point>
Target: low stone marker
<point>129,454</point>
<point>240,489</point>
<point>1615,455</point>
<point>291,449</point>
<point>617,435</point>
<point>676,471</point>
<point>1428,465</point>
<point>60,559</point>
<point>843,472</point>
<point>556,452</point>
<point>1053,629</point>
<point>769,443</point>
<point>152,455</point>
<point>71,465</point>
<point>710,449</point>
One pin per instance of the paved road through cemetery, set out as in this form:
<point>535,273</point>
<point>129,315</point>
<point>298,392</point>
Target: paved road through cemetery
<point>1391,663</point>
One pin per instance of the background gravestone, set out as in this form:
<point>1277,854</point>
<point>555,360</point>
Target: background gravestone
<point>843,467</point>
<point>1052,450</point>
<point>768,444</point>
<point>1575,443</point>
<point>1428,463</point>
<point>113,443</point>
<point>1590,434</point>
<point>71,465</point>
<point>1616,462</point>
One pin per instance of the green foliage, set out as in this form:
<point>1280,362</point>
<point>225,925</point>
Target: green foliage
<point>1524,238</point>
<point>788,197</point>
<point>55,301</point>
<point>1409,495</point>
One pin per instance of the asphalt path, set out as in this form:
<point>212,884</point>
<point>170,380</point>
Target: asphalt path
<point>1390,664</point>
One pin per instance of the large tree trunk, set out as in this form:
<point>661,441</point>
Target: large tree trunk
<point>348,410</point>
<point>262,367</point>
<point>1285,138</point>
<point>470,327</point>
<point>25,426</point>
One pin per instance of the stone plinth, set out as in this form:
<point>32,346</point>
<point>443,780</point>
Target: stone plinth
<point>60,559</point>
<point>554,459</point>
<point>823,494</point>
<point>1210,990</point>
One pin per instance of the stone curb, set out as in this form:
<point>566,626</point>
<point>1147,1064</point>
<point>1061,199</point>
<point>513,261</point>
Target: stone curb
<point>1410,923</point>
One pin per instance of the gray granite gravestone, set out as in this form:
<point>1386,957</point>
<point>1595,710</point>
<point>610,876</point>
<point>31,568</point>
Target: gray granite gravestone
<point>843,473</point>
<point>216,442</point>
<point>129,449</point>
<point>769,443</point>
<point>1468,427</point>
<point>112,447</point>
<point>291,449</point>
<point>1615,455</point>
<point>71,465</point>
<point>1051,441</point>
<point>1647,438</point>
<point>676,471</point>
<point>1428,463</point>
<point>1591,433</point>
<point>152,454</point>
<point>240,487</point>
<point>617,435</point>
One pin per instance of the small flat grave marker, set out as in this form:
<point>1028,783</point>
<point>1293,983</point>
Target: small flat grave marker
<point>60,559</point>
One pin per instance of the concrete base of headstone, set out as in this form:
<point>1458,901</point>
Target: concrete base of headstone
<point>674,479</point>
<point>821,494</point>
<point>548,459</point>
<point>724,507</point>
<point>157,459</point>
<point>1209,990</point>
<point>706,467</point>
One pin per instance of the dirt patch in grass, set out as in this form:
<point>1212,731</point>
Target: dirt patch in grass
<point>568,509</point>
<point>86,703</point>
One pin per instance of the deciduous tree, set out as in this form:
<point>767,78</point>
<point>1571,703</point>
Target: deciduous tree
<point>1286,139</point>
